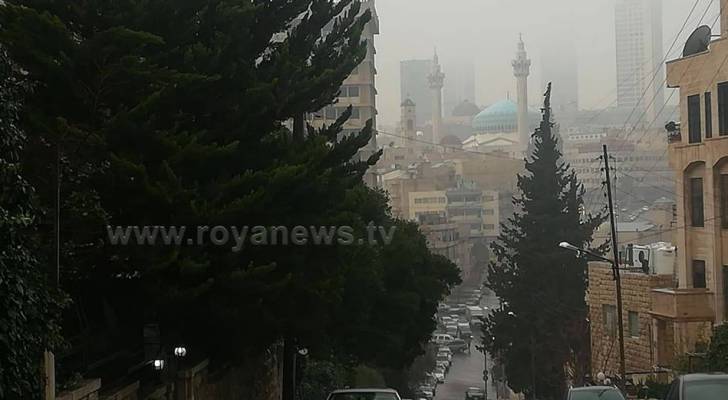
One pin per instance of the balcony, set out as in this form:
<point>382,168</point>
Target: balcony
<point>682,304</point>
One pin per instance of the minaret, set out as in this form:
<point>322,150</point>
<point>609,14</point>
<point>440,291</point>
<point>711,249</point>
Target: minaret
<point>407,121</point>
<point>521,70</point>
<point>437,81</point>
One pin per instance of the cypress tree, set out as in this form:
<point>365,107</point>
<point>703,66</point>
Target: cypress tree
<point>541,327</point>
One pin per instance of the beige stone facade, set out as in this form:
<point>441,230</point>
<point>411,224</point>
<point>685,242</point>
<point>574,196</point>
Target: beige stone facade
<point>427,203</point>
<point>698,155</point>
<point>641,350</point>
<point>449,240</point>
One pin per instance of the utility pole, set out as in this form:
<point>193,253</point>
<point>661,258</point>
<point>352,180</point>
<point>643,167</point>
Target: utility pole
<point>615,268</point>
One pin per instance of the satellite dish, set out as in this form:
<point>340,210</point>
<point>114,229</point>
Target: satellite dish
<point>698,41</point>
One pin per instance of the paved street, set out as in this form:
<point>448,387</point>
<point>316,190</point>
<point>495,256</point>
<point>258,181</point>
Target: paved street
<point>467,370</point>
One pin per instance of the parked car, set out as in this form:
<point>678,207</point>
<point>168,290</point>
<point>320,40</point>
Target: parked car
<point>444,349</point>
<point>432,387</point>
<point>444,365</point>
<point>459,346</point>
<point>699,387</point>
<point>595,393</point>
<point>442,339</point>
<point>439,376</point>
<point>452,330</point>
<point>424,393</point>
<point>465,331</point>
<point>444,357</point>
<point>364,394</point>
<point>474,393</point>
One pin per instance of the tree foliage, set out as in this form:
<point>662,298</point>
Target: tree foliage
<point>29,307</point>
<point>173,113</point>
<point>542,287</point>
<point>717,355</point>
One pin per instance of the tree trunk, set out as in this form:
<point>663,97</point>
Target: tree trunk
<point>289,369</point>
<point>298,128</point>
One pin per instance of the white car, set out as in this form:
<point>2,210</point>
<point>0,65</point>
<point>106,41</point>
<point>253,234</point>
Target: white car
<point>364,394</point>
<point>445,349</point>
<point>439,376</point>
<point>442,339</point>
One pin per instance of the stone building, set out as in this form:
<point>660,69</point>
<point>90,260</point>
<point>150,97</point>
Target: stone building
<point>641,350</point>
<point>450,240</point>
<point>698,154</point>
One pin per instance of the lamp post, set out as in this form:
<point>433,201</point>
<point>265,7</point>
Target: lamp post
<point>618,284</point>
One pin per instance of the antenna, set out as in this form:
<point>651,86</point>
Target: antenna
<point>698,41</point>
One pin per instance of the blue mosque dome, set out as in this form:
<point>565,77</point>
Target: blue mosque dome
<point>502,117</point>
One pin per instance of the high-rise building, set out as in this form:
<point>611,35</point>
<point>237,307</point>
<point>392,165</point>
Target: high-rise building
<point>415,86</point>
<point>640,57</point>
<point>459,86</point>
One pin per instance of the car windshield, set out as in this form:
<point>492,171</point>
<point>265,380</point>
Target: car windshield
<point>600,394</point>
<point>364,396</point>
<point>707,390</point>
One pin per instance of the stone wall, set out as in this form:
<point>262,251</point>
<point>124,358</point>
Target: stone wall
<point>87,390</point>
<point>640,349</point>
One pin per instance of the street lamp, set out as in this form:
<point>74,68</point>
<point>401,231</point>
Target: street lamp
<point>618,281</point>
<point>180,351</point>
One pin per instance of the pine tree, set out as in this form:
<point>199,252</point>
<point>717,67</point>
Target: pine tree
<point>29,307</point>
<point>184,103</point>
<point>541,325</point>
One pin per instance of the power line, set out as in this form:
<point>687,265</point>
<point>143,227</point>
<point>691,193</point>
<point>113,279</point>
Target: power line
<point>664,60</point>
<point>664,81</point>
<point>494,155</point>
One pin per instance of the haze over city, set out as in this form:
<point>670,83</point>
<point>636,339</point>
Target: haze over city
<point>486,31</point>
<point>363,199</point>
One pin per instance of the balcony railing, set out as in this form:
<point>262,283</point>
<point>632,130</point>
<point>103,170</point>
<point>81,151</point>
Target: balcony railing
<point>683,304</point>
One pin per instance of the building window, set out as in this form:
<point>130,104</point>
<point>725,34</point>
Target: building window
<point>489,227</point>
<point>724,201</point>
<point>355,113</point>
<point>634,324</point>
<point>353,91</point>
<point>696,202</point>
<point>488,211</point>
<point>694,134</point>
<point>699,274</point>
<point>723,108</point>
<point>708,115</point>
<point>609,315</point>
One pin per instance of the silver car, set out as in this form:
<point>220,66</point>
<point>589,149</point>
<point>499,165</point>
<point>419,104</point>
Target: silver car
<point>595,393</point>
<point>699,387</point>
<point>364,394</point>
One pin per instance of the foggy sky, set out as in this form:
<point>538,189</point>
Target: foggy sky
<point>486,32</point>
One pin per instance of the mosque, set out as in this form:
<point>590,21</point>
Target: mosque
<point>504,126</point>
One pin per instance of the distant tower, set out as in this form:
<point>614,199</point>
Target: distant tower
<point>437,81</point>
<point>408,127</point>
<point>521,70</point>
